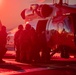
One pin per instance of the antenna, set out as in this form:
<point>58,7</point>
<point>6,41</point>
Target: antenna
<point>54,1</point>
<point>60,2</point>
<point>66,1</point>
<point>63,1</point>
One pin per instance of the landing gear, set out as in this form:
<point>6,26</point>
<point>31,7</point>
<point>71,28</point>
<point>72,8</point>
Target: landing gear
<point>64,50</point>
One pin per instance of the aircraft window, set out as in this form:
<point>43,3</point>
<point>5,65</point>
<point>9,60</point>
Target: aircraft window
<point>60,27</point>
<point>58,1</point>
<point>51,26</point>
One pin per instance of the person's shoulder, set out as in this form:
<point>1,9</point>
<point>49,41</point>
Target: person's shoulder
<point>24,32</point>
<point>32,29</point>
<point>17,32</point>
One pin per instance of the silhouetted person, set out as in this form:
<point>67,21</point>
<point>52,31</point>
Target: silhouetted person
<point>3,41</point>
<point>17,41</point>
<point>42,45</point>
<point>63,35</point>
<point>34,57</point>
<point>64,47</point>
<point>54,41</point>
<point>43,52</point>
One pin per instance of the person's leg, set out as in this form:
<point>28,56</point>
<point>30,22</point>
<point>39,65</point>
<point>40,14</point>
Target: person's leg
<point>2,53</point>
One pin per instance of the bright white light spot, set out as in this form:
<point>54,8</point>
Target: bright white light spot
<point>1,2</point>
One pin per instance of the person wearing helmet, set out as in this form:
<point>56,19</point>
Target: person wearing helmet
<point>16,41</point>
<point>3,41</point>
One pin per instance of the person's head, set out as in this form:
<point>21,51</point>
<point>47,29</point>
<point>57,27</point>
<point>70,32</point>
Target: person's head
<point>28,26</point>
<point>20,27</point>
<point>63,29</point>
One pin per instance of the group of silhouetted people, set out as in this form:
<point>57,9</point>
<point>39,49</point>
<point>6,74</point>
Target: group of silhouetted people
<point>30,46</point>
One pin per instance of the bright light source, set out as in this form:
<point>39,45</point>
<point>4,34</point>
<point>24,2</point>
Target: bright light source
<point>1,2</point>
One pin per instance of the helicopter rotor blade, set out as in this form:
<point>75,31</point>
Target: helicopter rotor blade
<point>66,9</point>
